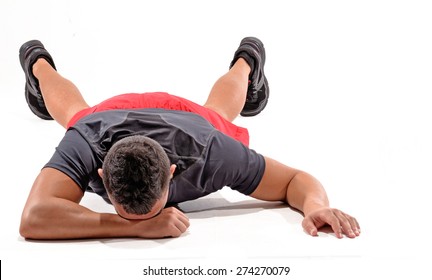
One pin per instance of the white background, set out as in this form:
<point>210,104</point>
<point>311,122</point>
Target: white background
<point>350,102</point>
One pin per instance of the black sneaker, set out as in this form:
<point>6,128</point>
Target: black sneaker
<point>29,53</point>
<point>252,50</point>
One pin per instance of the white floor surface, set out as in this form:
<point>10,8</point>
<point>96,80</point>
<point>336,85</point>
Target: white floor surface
<point>350,103</point>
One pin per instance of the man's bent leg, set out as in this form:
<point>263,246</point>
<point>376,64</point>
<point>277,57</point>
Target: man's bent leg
<point>228,94</point>
<point>62,98</point>
<point>234,93</point>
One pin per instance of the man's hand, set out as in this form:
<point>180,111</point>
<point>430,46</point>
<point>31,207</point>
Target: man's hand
<point>171,222</point>
<point>340,222</point>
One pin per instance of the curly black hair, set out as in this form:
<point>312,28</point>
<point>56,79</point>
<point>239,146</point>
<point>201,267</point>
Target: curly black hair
<point>136,172</point>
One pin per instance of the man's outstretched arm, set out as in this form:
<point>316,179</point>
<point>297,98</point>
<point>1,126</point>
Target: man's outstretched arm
<point>52,211</point>
<point>305,193</point>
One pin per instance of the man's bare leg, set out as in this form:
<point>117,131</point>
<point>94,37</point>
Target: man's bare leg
<point>244,89</point>
<point>228,94</point>
<point>62,98</point>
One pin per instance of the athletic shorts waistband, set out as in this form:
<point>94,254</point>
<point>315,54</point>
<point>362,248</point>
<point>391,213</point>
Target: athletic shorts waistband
<point>163,100</point>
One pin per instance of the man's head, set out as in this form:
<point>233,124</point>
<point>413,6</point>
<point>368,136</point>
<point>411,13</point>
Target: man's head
<point>136,174</point>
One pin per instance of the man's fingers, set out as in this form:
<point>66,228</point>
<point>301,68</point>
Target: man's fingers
<point>179,221</point>
<point>348,224</point>
<point>182,223</point>
<point>354,225</point>
<point>335,224</point>
<point>181,227</point>
<point>309,227</point>
<point>340,222</point>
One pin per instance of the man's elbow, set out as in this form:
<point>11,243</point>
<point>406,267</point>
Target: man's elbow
<point>30,226</point>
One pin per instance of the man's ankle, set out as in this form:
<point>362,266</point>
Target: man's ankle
<point>242,64</point>
<point>39,65</point>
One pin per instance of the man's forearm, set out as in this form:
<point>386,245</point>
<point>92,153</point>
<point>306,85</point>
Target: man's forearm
<point>63,219</point>
<point>306,193</point>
